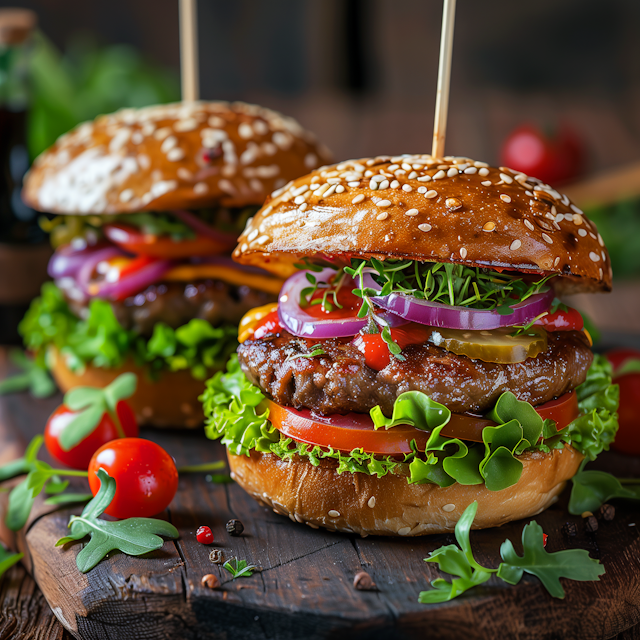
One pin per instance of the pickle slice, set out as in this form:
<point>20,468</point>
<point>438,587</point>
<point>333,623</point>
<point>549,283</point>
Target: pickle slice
<point>498,345</point>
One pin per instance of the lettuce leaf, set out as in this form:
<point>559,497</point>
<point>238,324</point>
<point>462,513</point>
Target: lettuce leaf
<point>101,341</point>
<point>236,413</point>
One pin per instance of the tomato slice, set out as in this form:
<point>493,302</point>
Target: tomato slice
<point>349,302</point>
<point>268,324</point>
<point>355,430</point>
<point>134,241</point>
<point>569,320</point>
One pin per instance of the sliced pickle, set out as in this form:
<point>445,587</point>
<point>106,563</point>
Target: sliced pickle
<point>499,345</point>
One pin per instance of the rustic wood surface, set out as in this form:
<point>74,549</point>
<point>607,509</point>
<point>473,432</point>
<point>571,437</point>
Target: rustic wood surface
<point>305,588</point>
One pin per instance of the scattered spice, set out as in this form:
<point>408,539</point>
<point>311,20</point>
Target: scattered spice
<point>570,529</point>
<point>235,527</point>
<point>204,535</point>
<point>591,524</point>
<point>210,581</point>
<point>607,512</point>
<point>216,556</point>
<point>364,582</point>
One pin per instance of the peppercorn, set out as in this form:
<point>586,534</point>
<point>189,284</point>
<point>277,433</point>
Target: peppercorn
<point>210,581</point>
<point>204,535</point>
<point>235,527</point>
<point>607,512</point>
<point>216,556</point>
<point>591,524</point>
<point>569,529</point>
<point>364,582</point>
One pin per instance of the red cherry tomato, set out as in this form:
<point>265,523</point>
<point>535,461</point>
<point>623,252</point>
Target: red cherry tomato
<point>79,456</point>
<point>569,320</point>
<point>551,158</point>
<point>269,324</point>
<point>133,240</point>
<point>145,474</point>
<point>628,436</point>
<point>375,349</point>
<point>204,535</point>
<point>349,302</point>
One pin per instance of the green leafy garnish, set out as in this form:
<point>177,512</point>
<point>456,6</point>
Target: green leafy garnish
<point>91,404</point>
<point>101,341</point>
<point>574,564</point>
<point>33,378</point>
<point>8,559</point>
<point>316,350</point>
<point>133,536</point>
<point>239,568</point>
<point>591,489</point>
<point>68,498</point>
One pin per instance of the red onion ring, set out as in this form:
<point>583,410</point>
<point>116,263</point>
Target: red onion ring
<point>84,273</point>
<point>67,260</point>
<point>133,283</point>
<point>300,323</point>
<point>436,314</point>
<point>229,240</point>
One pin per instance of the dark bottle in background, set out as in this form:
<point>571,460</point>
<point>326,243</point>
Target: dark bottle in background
<point>24,248</point>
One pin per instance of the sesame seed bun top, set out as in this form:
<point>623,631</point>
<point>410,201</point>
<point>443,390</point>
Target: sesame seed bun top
<point>432,209</point>
<point>182,155</point>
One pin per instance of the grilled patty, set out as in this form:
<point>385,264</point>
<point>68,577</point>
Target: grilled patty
<point>340,381</point>
<point>175,303</point>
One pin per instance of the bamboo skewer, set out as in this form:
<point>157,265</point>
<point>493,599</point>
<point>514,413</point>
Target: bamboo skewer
<point>444,77</point>
<point>189,50</point>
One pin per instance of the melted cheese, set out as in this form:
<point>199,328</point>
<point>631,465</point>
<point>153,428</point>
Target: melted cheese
<point>189,273</point>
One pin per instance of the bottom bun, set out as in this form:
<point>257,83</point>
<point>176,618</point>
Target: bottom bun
<point>169,401</point>
<point>358,503</point>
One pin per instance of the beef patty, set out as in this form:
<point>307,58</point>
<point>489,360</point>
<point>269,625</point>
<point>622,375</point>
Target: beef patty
<point>175,303</point>
<point>340,381</point>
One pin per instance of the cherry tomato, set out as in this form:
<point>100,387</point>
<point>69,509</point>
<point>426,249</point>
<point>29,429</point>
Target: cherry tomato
<point>628,436</point>
<point>269,324</point>
<point>349,302</point>
<point>551,158</point>
<point>79,456</point>
<point>569,320</point>
<point>355,430</point>
<point>133,240</point>
<point>375,349</point>
<point>145,474</point>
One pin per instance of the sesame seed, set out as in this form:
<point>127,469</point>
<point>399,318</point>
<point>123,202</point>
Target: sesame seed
<point>411,212</point>
<point>382,216</point>
<point>594,256</point>
<point>303,206</point>
<point>395,184</point>
<point>373,185</point>
<point>453,203</point>
<point>463,253</point>
<point>406,166</point>
<point>339,188</point>
<point>505,198</point>
<point>556,261</point>
<point>448,507</point>
<point>440,174</point>
<point>483,172</point>
<point>383,203</point>
<point>577,219</point>
<point>378,178</point>
<point>506,178</point>
<point>384,184</point>
<point>371,502</point>
<point>300,190</point>
<point>404,531</point>
<point>486,183</point>
<point>329,191</point>
<point>515,245</point>
<point>412,176</point>
<point>262,239</point>
<point>600,240</point>
<point>529,225</point>
<point>489,226</point>
<point>576,209</point>
<point>547,239</point>
<point>333,513</point>
<point>470,170</point>
<point>200,188</point>
<point>358,198</point>
<point>354,183</point>
<point>321,190</point>
<point>408,188</point>
<point>298,200</point>
<point>424,178</point>
<point>582,232</point>
<point>168,143</point>
<point>393,167</point>
<point>424,227</point>
<point>452,172</point>
<point>333,180</point>
<point>126,195</point>
<point>431,194</point>
<point>422,189</point>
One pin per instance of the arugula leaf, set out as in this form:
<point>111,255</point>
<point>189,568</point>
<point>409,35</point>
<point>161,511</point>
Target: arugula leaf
<point>8,559</point>
<point>591,489</point>
<point>239,568</point>
<point>101,341</point>
<point>133,536</point>
<point>574,564</point>
<point>33,378</point>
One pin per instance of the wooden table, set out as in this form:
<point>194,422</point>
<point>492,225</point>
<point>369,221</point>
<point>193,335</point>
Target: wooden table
<point>305,587</point>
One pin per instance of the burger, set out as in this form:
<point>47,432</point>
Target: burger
<point>419,357</point>
<point>148,204</point>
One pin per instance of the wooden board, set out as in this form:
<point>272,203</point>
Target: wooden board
<point>305,587</point>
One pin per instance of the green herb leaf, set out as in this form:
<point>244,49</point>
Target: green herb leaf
<point>414,408</point>
<point>68,498</point>
<point>14,468</point>
<point>133,536</point>
<point>19,508</point>
<point>591,489</point>
<point>316,350</point>
<point>203,468</point>
<point>239,568</point>
<point>33,378</point>
<point>8,559</point>
<point>574,564</point>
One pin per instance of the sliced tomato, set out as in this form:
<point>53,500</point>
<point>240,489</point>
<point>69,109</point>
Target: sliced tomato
<point>133,240</point>
<point>569,320</point>
<point>375,349</point>
<point>268,324</point>
<point>355,430</point>
<point>349,305</point>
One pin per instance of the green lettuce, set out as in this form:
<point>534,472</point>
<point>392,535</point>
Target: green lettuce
<point>101,341</point>
<point>237,413</point>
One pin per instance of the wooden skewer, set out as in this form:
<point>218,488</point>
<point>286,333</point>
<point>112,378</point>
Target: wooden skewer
<point>444,77</point>
<point>189,50</point>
